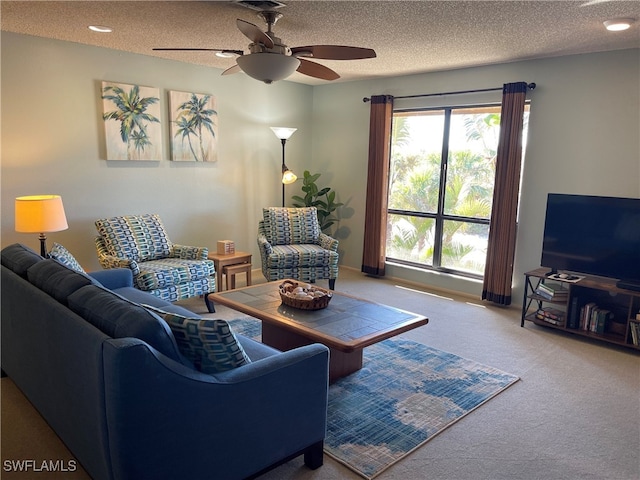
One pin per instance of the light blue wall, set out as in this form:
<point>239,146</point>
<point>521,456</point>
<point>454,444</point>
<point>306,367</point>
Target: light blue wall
<point>583,138</point>
<point>53,142</point>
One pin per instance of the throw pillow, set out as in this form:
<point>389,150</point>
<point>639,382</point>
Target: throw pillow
<point>208,343</point>
<point>62,255</point>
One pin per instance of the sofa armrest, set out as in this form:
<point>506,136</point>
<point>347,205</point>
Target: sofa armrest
<point>327,242</point>
<point>113,278</point>
<point>187,252</point>
<point>240,421</point>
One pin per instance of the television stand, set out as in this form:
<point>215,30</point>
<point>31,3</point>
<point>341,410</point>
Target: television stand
<point>628,285</point>
<point>596,307</point>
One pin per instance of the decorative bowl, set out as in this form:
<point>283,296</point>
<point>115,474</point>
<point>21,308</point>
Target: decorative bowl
<point>304,296</point>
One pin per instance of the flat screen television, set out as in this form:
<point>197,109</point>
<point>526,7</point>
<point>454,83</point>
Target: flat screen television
<point>593,235</point>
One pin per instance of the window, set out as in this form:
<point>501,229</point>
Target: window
<point>441,181</point>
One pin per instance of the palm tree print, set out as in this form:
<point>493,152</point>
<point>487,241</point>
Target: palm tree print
<point>415,187</point>
<point>193,127</point>
<point>134,115</point>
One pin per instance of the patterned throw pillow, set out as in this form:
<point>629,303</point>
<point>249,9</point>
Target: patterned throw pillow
<point>62,255</point>
<point>209,344</point>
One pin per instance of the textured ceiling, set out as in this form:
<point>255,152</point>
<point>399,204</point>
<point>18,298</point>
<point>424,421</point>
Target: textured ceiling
<point>408,36</point>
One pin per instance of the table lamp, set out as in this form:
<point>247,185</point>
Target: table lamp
<point>40,214</point>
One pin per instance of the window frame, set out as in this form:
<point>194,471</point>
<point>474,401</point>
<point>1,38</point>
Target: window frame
<point>440,217</point>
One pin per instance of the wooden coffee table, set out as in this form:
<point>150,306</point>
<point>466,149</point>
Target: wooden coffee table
<point>346,326</point>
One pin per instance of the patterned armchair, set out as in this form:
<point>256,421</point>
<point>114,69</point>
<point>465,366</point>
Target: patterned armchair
<point>164,269</point>
<point>293,246</point>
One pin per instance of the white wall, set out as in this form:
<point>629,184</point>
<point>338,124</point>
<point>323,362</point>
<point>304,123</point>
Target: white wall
<point>53,142</point>
<point>584,134</point>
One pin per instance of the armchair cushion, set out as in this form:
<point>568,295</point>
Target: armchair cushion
<point>135,237</point>
<point>208,343</point>
<point>300,256</point>
<point>286,226</point>
<point>168,272</point>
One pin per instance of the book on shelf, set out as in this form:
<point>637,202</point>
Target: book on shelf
<point>551,315</point>
<point>574,313</point>
<point>635,332</point>
<point>594,319</point>
<point>602,316</point>
<point>585,315</point>
<point>552,291</point>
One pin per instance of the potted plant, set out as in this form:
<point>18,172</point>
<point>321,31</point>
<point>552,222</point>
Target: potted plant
<point>323,199</point>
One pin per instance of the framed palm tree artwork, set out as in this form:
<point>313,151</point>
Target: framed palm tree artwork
<point>132,121</point>
<point>194,127</point>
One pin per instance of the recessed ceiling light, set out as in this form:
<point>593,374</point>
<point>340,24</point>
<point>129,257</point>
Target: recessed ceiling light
<point>100,29</point>
<point>618,24</point>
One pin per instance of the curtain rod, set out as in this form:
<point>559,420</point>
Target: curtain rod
<point>529,85</point>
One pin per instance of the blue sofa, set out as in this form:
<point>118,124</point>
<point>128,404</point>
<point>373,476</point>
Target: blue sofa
<point>107,376</point>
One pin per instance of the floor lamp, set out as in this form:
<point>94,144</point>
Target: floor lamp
<point>284,133</point>
<point>40,214</point>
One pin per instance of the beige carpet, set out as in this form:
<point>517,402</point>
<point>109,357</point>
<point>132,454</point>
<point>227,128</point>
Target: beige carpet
<point>575,414</point>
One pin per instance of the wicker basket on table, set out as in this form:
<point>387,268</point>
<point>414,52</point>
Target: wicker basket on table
<point>304,296</point>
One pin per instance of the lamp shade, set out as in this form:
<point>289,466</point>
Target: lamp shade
<point>268,67</point>
<point>39,214</point>
<point>283,133</point>
<point>288,176</point>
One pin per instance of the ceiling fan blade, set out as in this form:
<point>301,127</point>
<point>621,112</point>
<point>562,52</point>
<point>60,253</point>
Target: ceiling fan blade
<point>334,52</point>
<point>253,33</point>
<point>316,70</point>
<point>224,50</point>
<point>231,70</point>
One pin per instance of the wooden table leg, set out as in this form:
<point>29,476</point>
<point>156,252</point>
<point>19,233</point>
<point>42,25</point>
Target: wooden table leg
<point>341,363</point>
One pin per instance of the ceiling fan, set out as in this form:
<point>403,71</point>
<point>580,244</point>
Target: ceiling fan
<point>270,60</point>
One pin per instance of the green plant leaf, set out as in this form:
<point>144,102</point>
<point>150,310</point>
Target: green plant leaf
<point>321,198</point>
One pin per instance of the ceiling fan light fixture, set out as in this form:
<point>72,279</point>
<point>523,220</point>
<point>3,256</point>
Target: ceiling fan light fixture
<point>618,24</point>
<point>268,67</point>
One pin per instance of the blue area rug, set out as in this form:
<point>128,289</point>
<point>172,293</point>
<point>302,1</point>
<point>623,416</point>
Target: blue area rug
<point>405,394</point>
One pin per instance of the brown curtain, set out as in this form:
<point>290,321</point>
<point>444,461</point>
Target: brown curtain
<point>375,219</point>
<point>498,272</point>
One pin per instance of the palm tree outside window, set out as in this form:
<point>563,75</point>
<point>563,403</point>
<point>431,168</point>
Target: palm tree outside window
<point>441,181</point>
